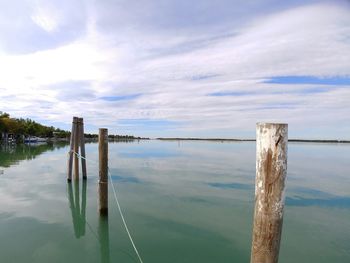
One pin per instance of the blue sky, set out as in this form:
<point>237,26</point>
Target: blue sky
<point>174,68</point>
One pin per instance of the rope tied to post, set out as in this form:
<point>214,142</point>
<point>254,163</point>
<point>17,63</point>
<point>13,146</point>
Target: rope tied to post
<point>122,216</point>
<point>117,202</point>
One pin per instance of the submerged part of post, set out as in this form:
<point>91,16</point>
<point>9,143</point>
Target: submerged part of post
<point>103,171</point>
<point>271,171</point>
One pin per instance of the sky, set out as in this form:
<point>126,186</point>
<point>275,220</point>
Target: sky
<point>178,68</point>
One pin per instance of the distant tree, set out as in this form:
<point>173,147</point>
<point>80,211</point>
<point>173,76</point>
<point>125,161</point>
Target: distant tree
<point>27,127</point>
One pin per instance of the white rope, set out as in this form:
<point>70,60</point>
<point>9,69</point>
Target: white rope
<point>119,208</point>
<point>122,216</point>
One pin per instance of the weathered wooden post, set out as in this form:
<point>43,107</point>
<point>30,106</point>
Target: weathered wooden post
<point>103,171</point>
<point>82,147</point>
<point>76,149</point>
<point>271,171</point>
<point>70,159</point>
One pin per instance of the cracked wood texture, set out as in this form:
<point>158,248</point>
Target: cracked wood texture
<point>271,171</point>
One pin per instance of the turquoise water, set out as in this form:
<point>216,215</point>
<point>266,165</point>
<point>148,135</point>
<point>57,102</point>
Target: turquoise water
<point>183,201</point>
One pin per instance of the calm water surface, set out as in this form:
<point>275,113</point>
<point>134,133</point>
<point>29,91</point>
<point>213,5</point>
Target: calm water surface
<point>183,201</point>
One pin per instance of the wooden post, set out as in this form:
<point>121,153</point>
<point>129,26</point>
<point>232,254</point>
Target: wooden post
<point>103,171</point>
<point>76,150</point>
<point>82,147</point>
<point>70,159</point>
<point>271,171</point>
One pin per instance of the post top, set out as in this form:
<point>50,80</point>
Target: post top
<point>270,124</point>
<point>103,129</point>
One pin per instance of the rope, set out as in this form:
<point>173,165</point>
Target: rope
<point>122,216</point>
<point>118,206</point>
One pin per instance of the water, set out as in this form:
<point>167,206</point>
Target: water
<point>183,201</point>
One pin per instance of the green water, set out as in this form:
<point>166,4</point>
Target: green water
<point>184,202</point>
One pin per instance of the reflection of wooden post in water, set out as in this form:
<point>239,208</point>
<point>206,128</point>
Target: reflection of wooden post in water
<point>103,171</point>
<point>83,207</point>
<point>78,215</point>
<point>103,233</point>
<point>271,171</point>
<point>77,140</point>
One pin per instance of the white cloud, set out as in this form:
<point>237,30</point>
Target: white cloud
<point>46,18</point>
<point>175,74</point>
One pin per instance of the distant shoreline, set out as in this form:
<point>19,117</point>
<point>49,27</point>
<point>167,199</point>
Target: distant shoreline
<point>249,140</point>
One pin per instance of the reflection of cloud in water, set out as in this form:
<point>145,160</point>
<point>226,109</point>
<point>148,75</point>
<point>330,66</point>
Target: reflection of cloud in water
<point>29,235</point>
<point>314,197</point>
<point>125,179</point>
<point>312,192</point>
<point>123,176</point>
<point>343,202</point>
<point>154,153</point>
<point>6,215</point>
<point>199,200</point>
<point>183,229</point>
<point>195,200</point>
<point>169,235</point>
<point>232,186</point>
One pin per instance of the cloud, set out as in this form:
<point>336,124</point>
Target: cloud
<point>29,26</point>
<point>209,72</point>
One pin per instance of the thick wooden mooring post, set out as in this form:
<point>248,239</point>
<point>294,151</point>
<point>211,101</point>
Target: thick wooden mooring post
<point>103,171</point>
<point>271,171</point>
<point>77,140</point>
<point>71,149</point>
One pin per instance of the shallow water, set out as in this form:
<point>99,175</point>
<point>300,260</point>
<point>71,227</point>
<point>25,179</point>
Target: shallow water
<point>183,201</point>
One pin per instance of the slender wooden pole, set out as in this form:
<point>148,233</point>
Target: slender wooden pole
<point>271,171</point>
<point>70,159</point>
<point>76,150</point>
<point>103,171</point>
<point>82,148</point>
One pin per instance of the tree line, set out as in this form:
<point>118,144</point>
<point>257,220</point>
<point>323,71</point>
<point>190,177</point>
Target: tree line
<point>28,127</point>
<point>115,137</point>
